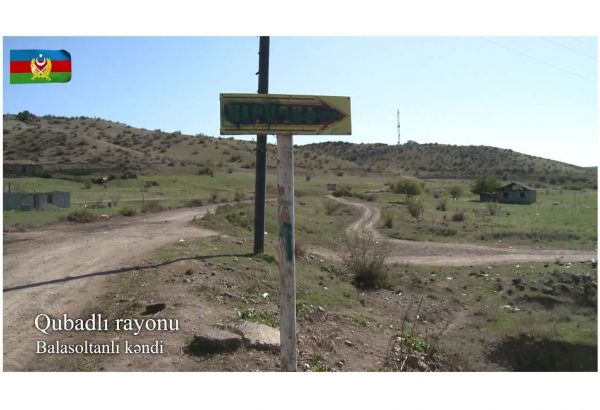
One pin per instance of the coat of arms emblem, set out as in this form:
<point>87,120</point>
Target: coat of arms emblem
<point>41,67</point>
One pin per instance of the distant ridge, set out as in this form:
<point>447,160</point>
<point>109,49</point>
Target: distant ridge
<point>83,145</point>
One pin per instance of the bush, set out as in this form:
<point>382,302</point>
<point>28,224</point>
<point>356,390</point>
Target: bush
<point>455,191</point>
<point>84,216</point>
<point>485,185</point>
<point>206,169</point>
<point>415,208</point>
<point>493,208</point>
<point>152,206</point>
<point>365,196</point>
<point>365,258</point>
<point>25,116</point>
<point>409,187</point>
<point>308,177</point>
<point>192,203</point>
<point>342,191</point>
<point>331,206</point>
<point>441,205</point>
<point>239,196</point>
<point>388,220</point>
<point>458,216</point>
<point>127,212</point>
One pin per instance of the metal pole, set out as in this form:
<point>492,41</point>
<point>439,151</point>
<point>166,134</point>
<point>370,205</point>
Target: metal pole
<point>287,262</point>
<point>260,186</point>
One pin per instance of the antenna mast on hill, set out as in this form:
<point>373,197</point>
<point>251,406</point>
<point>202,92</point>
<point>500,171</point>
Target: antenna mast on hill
<point>398,115</point>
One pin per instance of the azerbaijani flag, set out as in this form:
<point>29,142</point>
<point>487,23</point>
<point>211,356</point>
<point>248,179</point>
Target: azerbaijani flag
<point>39,66</point>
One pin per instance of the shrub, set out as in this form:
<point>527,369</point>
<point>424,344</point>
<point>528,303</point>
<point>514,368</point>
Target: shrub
<point>365,196</point>
<point>415,208</point>
<point>388,220</point>
<point>364,259</point>
<point>493,208</point>
<point>485,184</point>
<point>25,116</point>
<point>239,196</point>
<point>127,212</point>
<point>206,169</point>
<point>409,187</point>
<point>308,177</point>
<point>152,206</point>
<point>441,205</point>
<point>214,197</point>
<point>455,191</point>
<point>342,191</point>
<point>192,203</point>
<point>458,216</point>
<point>230,170</point>
<point>331,206</point>
<point>83,216</point>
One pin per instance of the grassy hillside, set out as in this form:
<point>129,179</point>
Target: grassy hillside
<point>82,145</point>
<point>452,161</point>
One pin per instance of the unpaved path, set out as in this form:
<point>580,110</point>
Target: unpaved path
<point>452,254</point>
<point>63,268</point>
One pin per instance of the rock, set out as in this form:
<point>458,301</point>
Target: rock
<point>548,290</point>
<point>154,308</point>
<point>189,272</point>
<point>516,281</point>
<point>212,340</point>
<point>259,336</point>
<point>348,343</point>
<point>412,360</point>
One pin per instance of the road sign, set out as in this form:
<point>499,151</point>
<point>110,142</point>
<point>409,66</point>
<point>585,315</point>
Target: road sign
<point>284,114</point>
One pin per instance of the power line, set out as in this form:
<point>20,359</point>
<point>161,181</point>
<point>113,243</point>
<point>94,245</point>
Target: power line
<point>569,48</point>
<point>537,59</point>
<point>584,42</point>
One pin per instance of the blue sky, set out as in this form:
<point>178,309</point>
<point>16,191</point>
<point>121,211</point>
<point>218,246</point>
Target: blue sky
<point>536,95</point>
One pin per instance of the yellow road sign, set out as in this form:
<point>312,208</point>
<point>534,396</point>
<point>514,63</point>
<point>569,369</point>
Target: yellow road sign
<point>281,113</point>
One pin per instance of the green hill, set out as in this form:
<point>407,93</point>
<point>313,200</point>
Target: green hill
<point>82,145</point>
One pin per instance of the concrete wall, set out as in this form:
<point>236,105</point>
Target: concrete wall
<point>39,200</point>
<point>24,170</point>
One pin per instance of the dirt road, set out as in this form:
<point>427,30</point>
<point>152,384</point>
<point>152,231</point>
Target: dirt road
<point>63,268</point>
<point>454,254</point>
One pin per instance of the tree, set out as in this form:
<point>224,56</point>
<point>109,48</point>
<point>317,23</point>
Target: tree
<point>487,184</point>
<point>25,116</point>
<point>407,186</point>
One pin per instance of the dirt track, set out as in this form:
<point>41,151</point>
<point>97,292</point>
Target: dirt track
<point>454,254</point>
<point>63,268</point>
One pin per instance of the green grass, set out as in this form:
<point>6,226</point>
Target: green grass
<point>477,287</point>
<point>559,219</point>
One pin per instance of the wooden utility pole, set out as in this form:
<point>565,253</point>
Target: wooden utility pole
<point>260,184</point>
<point>287,297</point>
